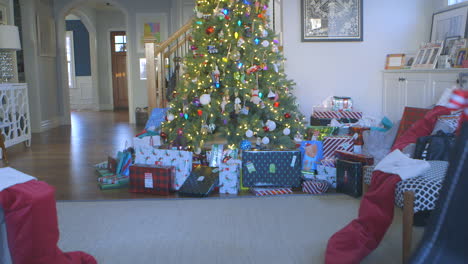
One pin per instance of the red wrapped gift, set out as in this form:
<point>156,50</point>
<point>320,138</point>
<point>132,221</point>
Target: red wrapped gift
<point>315,186</point>
<point>152,179</point>
<point>351,156</point>
<point>332,144</point>
<point>270,191</point>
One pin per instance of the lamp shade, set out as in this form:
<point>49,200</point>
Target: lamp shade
<point>9,37</point>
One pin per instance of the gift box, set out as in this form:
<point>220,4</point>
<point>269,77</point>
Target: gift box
<point>351,156</point>
<point>154,141</point>
<point>271,169</point>
<point>152,179</point>
<point>319,132</point>
<point>315,186</point>
<point>311,154</point>
<point>270,191</point>
<point>201,182</point>
<point>328,162</point>
<point>107,168</point>
<point>113,182</point>
<point>349,177</point>
<point>332,144</point>
<point>181,160</point>
<point>229,177</point>
<point>323,118</point>
<point>327,174</point>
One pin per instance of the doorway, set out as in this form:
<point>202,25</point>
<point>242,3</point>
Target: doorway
<point>119,69</point>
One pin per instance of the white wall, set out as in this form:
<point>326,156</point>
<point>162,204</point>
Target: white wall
<point>354,69</point>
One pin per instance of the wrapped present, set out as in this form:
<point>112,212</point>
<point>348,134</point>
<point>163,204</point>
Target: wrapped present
<point>315,186</point>
<point>323,118</point>
<point>308,175</point>
<point>319,132</point>
<point>311,154</point>
<point>351,156</point>
<point>107,168</point>
<point>349,177</point>
<point>216,155</point>
<point>181,160</point>
<point>114,182</point>
<point>342,103</point>
<point>154,141</point>
<point>152,179</point>
<point>229,177</point>
<point>201,182</point>
<point>327,174</point>
<point>270,191</point>
<point>329,162</point>
<point>332,144</point>
<point>271,169</point>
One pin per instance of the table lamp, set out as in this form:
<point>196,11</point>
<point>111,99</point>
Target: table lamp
<point>9,43</point>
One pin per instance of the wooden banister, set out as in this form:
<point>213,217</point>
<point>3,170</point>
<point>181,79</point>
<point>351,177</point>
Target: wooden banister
<point>157,69</point>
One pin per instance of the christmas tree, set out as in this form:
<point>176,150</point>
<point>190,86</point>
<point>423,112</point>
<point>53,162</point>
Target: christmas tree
<point>233,84</point>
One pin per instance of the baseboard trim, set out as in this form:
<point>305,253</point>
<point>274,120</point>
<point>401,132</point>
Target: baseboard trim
<point>106,107</point>
<point>51,123</point>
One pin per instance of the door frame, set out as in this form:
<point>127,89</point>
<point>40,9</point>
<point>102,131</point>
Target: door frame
<point>111,86</point>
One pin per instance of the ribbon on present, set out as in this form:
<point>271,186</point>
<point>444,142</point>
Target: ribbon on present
<point>215,157</point>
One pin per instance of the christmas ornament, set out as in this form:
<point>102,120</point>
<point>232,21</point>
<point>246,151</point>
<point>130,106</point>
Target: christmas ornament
<point>205,128</point>
<point>275,66</point>
<point>286,131</point>
<point>240,42</point>
<point>163,135</point>
<point>244,110</point>
<point>210,30</point>
<point>205,99</point>
<point>252,69</point>
<point>224,103</point>
<point>212,49</point>
<point>212,128</point>
<point>276,41</point>
<point>237,76</point>
<point>265,140</point>
<point>257,6</point>
<point>245,145</point>
<point>287,115</point>
<point>225,59</point>
<point>237,105</point>
<point>265,43</point>
<point>271,125</point>
<point>266,129</point>
<point>215,76</point>
<point>194,80</point>
<point>200,112</point>
<point>256,41</point>
<point>247,31</point>
<point>180,131</point>
<point>274,48</point>
<point>221,34</point>
<point>200,22</point>
<point>170,117</point>
<point>262,105</point>
<point>271,95</point>
<point>181,114</point>
<point>196,101</point>
<point>276,104</point>
<point>249,133</point>
<point>258,142</point>
<point>239,65</point>
<point>198,151</point>
<point>193,47</point>
<point>186,116</point>
<point>260,94</point>
<point>235,55</point>
<point>255,98</point>
<point>298,137</point>
<point>264,33</point>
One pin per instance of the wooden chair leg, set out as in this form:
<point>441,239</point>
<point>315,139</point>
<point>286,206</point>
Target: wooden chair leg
<point>2,146</point>
<point>408,214</point>
<point>365,187</point>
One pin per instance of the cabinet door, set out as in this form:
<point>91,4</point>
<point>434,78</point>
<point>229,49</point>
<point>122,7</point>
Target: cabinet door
<point>439,82</point>
<point>392,103</point>
<point>416,87</point>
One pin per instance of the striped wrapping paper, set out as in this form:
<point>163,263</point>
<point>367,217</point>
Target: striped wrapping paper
<point>315,186</point>
<point>459,101</point>
<point>328,162</point>
<point>337,114</point>
<point>332,144</point>
<point>270,191</point>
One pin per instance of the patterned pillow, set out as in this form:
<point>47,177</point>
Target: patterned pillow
<point>447,123</point>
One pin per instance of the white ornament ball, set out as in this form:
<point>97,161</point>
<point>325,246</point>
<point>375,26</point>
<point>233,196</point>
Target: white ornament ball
<point>265,140</point>
<point>286,131</point>
<point>265,43</point>
<point>170,117</point>
<point>198,151</point>
<point>205,99</point>
<point>271,125</point>
<point>249,133</point>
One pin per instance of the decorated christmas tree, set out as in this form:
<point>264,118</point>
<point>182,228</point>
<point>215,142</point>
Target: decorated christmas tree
<point>234,83</point>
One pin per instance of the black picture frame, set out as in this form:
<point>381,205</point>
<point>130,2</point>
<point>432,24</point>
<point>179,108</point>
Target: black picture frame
<point>452,22</point>
<point>349,21</point>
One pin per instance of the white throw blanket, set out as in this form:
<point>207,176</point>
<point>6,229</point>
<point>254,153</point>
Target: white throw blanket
<point>398,163</point>
<point>10,177</point>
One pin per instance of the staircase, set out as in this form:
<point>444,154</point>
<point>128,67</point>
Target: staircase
<point>163,65</point>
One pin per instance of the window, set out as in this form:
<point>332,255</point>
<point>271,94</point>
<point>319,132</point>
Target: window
<point>70,59</point>
<point>453,2</point>
<point>120,43</point>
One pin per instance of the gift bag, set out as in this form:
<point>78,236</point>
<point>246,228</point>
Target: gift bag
<point>158,116</point>
<point>311,152</point>
<point>229,177</point>
<point>349,177</point>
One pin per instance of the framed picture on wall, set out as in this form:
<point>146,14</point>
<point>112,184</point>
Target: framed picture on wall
<point>3,15</point>
<point>153,25</point>
<point>449,23</point>
<point>332,20</point>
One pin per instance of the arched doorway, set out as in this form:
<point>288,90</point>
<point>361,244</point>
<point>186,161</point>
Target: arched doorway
<point>89,12</point>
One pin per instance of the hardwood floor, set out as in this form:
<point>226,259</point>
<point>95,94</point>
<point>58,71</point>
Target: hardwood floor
<point>64,156</point>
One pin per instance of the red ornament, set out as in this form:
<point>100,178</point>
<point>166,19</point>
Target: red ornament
<point>266,129</point>
<point>287,115</point>
<point>199,112</point>
<point>276,104</point>
<point>260,15</point>
<point>180,131</point>
<point>210,30</point>
<point>163,135</point>
<point>227,17</point>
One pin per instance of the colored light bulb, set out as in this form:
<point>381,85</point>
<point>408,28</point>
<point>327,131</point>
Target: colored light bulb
<point>256,40</point>
<point>239,23</point>
<point>186,116</point>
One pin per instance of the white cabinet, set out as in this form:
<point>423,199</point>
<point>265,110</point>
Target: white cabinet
<point>415,88</point>
<point>14,114</point>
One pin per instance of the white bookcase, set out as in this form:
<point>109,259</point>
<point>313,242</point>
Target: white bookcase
<point>415,88</point>
<point>14,114</point>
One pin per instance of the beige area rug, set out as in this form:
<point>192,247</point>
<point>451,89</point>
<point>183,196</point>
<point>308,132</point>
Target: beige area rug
<point>281,229</point>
